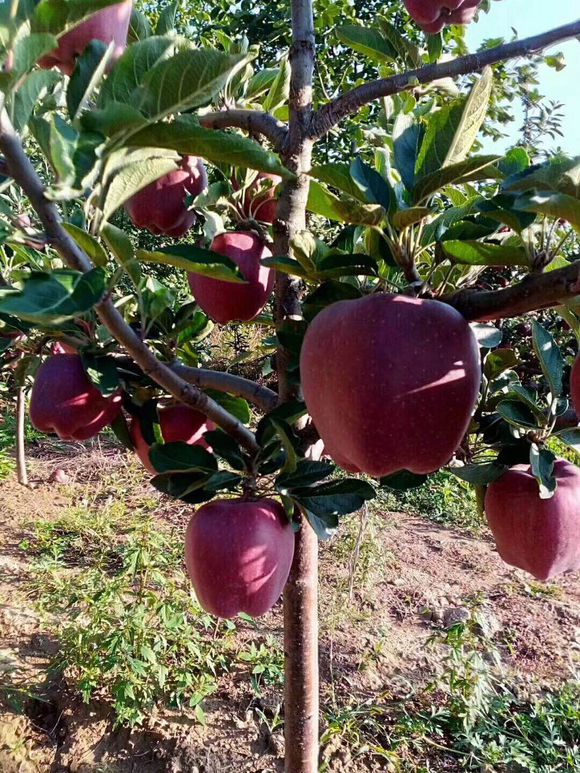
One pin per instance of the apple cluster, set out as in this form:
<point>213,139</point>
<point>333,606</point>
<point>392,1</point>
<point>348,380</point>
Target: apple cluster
<point>433,15</point>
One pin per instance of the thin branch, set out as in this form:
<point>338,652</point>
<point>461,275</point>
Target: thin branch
<point>536,291</point>
<point>25,175</point>
<point>351,101</point>
<point>258,395</point>
<point>252,121</point>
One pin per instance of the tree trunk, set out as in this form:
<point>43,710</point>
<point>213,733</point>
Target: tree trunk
<point>20,432</point>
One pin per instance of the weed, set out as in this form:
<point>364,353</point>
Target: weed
<point>267,663</point>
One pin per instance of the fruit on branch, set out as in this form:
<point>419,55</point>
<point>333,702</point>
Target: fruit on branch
<point>110,25</point>
<point>433,15</point>
<point>64,401</point>
<point>238,555</point>
<point>390,382</point>
<point>541,536</point>
<point>161,207</point>
<point>228,301</point>
<point>575,386</point>
<point>261,198</point>
<point>177,423</point>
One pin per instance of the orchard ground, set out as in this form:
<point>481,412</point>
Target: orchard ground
<point>435,656</point>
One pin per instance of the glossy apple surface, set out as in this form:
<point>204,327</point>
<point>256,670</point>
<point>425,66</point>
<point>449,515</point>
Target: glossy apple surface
<point>238,555</point>
<point>64,401</point>
<point>111,24</point>
<point>541,536</point>
<point>177,423</point>
<point>161,207</point>
<point>433,15</point>
<point>227,301</point>
<point>390,382</point>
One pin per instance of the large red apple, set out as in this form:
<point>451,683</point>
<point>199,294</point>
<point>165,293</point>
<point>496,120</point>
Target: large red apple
<point>238,555</point>
<point>575,386</point>
<point>177,423</point>
<point>541,536</point>
<point>64,401</point>
<point>108,25</point>
<point>390,382</point>
<point>433,15</point>
<point>161,207</point>
<point>261,198</point>
<point>228,301</point>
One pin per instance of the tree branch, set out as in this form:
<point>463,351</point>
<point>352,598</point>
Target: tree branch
<point>252,121</point>
<point>25,175</point>
<point>351,101</point>
<point>536,291</point>
<point>264,398</point>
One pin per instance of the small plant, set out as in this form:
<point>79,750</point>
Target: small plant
<point>267,663</point>
<point>135,636</point>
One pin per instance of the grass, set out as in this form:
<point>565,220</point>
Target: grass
<point>468,717</point>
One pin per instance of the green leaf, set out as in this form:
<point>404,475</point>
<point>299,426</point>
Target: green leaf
<point>406,51</point>
<point>140,170</point>
<point>571,437</point>
<point>87,74</point>
<point>187,80</point>
<point>337,497</point>
<point>434,47</point>
<point>451,131</point>
<point>479,474</point>
<point>346,210</point>
<point>181,457</point>
<point>102,371</point>
<point>374,187</point>
<point>402,480</point>
<point>337,175</point>
<point>54,298</point>
<point>123,251</point>
<point>498,362</point>
<point>324,526</point>
<point>557,205</point>
<point>367,41</point>
<point>261,82</point>
<point>487,335</point>
<point>542,468</point>
<point>280,89</point>
<point>517,414</point>
<point>113,120</point>
<point>29,94</point>
<point>477,167</point>
<point>28,50</point>
<point>88,244</point>
<point>328,292</point>
<point>132,68</point>
<point>196,260</point>
<point>185,136</point>
<point>407,138</point>
<point>167,17</point>
<point>337,264</point>
<point>549,356</point>
<point>306,473</point>
<point>237,406</point>
<point>139,27</point>
<point>514,161</point>
<point>226,447</point>
<point>473,253</point>
<point>189,487</point>
<point>404,218</point>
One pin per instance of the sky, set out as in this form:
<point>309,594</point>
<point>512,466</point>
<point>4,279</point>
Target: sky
<point>531,17</point>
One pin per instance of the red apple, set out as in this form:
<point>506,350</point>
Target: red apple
<point>177,423</point>
<point>541,536</point>
<point>575,386</point>
<point>111,24</point>
<point>61,347</point>
<point>238,555</point>
<point>227,301</point>
<point>161,207</point>
<point>433,15</point>
<point>64,401</point>
<point>390,382</point>
<point>261,198</point>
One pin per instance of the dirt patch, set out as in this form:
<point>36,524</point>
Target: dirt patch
<point>422,579</point>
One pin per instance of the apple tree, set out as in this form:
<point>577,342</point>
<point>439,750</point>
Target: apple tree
<point>164,172</point>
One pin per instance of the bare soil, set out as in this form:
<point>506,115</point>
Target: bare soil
<point>412,579</point>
